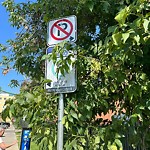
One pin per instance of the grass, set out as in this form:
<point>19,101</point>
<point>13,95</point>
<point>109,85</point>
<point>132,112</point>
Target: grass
<point>33,146</point>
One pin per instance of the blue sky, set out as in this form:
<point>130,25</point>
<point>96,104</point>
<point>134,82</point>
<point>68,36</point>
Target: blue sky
<point>7,32</point>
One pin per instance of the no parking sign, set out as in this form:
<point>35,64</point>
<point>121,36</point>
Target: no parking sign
<point>62,29</point>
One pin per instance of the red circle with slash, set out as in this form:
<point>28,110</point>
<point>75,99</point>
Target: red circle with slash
<point>55,25</point>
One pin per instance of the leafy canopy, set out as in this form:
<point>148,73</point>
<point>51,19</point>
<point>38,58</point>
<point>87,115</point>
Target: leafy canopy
<point>113,66</point>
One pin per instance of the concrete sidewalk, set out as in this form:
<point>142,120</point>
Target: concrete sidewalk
<point>9,137</point>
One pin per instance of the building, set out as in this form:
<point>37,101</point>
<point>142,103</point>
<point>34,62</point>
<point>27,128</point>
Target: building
<point>3,97</point>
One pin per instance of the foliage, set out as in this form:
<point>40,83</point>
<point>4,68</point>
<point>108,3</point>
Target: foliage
<point>112,64</point>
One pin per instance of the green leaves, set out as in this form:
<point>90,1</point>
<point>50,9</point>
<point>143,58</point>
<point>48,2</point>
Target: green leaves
<point>29,96</point>
<point>112,29</point>
<point>117,38</point>
<point>119,143</point>
<point>146,25</point>
<point>122,15</point>
<point>125,36</point>
<point>90,4</point>
<point>97,140</point>
<point>74,114</point>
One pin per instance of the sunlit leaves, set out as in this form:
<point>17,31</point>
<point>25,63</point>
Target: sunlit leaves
<point>95,68</point>
<point>146,25</point>
<point>122,15</point>
<point>125,36</point>
<point>117,38</point>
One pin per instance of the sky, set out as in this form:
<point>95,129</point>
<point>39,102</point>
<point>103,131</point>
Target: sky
<point>7,32</point>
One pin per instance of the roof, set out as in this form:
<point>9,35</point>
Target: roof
<point>6,93</point>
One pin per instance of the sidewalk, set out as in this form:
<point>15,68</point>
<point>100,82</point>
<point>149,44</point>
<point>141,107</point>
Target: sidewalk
<point>10,136</point>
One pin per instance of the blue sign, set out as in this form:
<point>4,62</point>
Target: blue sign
<point>25,139</point>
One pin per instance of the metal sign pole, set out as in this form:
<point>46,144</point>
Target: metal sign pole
<point>60,125</point>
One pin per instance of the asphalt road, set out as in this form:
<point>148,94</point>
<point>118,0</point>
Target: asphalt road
<point>9,137</point>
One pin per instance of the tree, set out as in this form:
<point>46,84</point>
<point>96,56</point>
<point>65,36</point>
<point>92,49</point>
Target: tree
<point>113,65</point>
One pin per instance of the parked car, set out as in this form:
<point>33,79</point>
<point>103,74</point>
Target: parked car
<point>5,125</point>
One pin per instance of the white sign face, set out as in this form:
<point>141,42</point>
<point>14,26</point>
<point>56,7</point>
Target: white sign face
<point>60,83</point>
<point>62,29</point>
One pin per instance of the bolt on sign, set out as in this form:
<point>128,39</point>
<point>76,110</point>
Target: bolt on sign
<point>62,29</point>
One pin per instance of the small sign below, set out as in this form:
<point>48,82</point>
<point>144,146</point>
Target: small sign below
<point>60,83</point>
